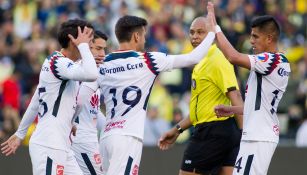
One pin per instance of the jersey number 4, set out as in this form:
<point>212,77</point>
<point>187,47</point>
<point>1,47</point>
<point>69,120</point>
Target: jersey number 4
<point>130,102</point>
<point>247,165</point>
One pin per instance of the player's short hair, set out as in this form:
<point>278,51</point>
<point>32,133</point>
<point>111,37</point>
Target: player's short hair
<point>71,27</point>
<point>126,25</point>
<point>267,24</point>
<point>99,34</point>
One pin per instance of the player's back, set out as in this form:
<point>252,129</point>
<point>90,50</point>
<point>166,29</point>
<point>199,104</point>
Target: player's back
<point>126,79</point>
<point>57,102</point>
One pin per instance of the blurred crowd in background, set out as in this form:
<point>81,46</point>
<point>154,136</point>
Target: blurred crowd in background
<point>28,34</point>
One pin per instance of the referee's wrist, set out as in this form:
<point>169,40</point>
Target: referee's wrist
<point>179,129</point>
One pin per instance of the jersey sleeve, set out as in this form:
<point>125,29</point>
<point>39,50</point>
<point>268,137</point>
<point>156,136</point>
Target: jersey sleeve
<point>224,75</point>
<point>264,63</point>
<point>158,62</point>
<point>65,69</point>
<point>29,116</point>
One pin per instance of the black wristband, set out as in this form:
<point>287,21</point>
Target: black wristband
<point>179,129</point>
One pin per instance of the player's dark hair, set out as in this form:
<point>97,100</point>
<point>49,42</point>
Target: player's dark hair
<point>126,25</point>
<point>71,27</point>
<point>99,34</point>
<point>267,24</point>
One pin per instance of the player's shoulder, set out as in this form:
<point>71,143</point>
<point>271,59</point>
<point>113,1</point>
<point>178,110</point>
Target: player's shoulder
<point>269,57</point>
<point>58,59</point>
<point>154,55</point>
<point>122,55</point>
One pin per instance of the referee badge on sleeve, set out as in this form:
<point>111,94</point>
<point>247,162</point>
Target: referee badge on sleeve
<point>193,84</point>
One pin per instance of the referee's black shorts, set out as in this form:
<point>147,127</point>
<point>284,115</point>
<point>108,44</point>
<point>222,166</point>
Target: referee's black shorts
<point>212,145</point>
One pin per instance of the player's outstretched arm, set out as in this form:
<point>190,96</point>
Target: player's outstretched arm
<point>29,116</point>
<point>10,146</point>
<point>169,138</point>
<point>228,50</point>
<point>224,111</point>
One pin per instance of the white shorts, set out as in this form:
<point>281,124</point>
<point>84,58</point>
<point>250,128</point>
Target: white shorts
<point>88,157</point>
<point>122,154</point>
<point>50,161</point>
<point>254,158</point>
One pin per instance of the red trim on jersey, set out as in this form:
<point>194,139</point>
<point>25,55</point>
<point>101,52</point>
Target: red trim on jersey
<point>149,63</point>
<point>274,64</point>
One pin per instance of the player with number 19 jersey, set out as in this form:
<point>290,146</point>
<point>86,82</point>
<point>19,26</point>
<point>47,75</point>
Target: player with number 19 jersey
<point>126,79</point>
<point>267,82</point>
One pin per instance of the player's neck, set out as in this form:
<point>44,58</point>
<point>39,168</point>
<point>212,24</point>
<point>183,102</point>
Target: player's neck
<point>272,49</point>
<point>68,54</point>
<point>127,46</point>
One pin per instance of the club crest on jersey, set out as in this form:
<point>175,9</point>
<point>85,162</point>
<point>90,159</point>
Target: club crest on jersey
<point>135,170</point>
<point>59,170</point>
<point>276,130</point>
<point>264,57</point>
<point>193,84</point>
<point>97,158</point>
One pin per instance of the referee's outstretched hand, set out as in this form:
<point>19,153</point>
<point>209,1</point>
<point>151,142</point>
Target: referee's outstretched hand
<point>10,146</point>
<point>168,139</point>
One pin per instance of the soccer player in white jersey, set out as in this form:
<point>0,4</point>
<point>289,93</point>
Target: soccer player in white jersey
<point>268,79</point>
<point>125,80</point>
<point>89,118</point>
<point>55,100</point>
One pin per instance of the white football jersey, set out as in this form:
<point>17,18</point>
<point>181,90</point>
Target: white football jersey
<point>87,118</point>
<point>57,93</point>
<point>266,84</point>
<point>126,79</point>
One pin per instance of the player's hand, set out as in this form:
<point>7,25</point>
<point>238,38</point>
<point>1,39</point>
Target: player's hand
<point>223,111</point>
<point>10,146</point>
<point>211,12</point>
<point>210,25</point>
<point>84,36</point>
<point>168,139</point>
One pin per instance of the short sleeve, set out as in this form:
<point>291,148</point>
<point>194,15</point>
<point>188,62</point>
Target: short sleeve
<point>158,62</point>
<point>264,63</point>
<point>224,75</point>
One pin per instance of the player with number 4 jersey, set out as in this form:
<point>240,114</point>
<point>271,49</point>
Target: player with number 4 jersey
<point>268,79</point>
